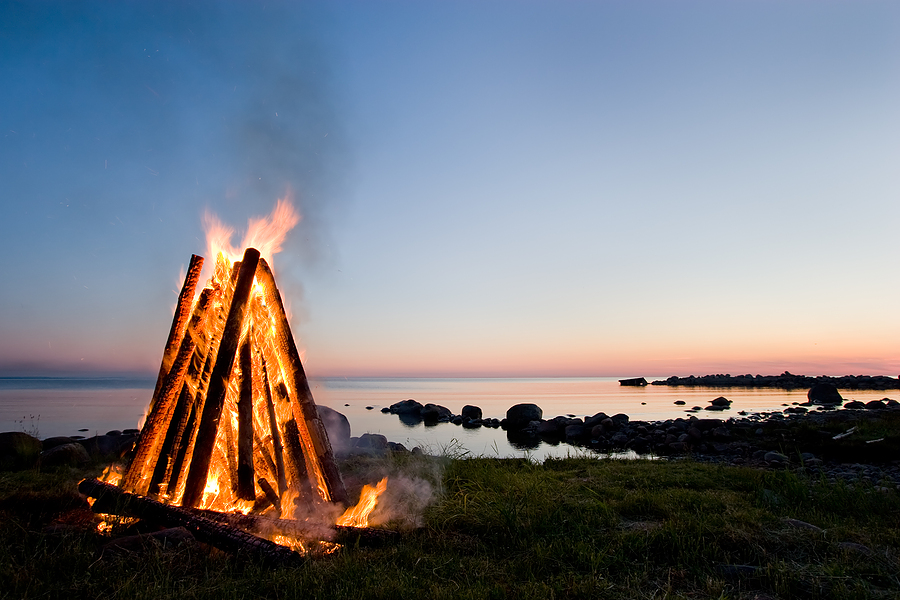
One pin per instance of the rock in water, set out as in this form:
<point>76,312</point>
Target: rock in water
<point>471,412</point>
<point>434,413</point>
<point>520,415</point>
<point>406,407</point>
<point>18,450</point>
<point>824,393</point>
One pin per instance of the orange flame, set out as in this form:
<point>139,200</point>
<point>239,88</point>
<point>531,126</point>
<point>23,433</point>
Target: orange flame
<point>358,516</point>
<point>266,234</point>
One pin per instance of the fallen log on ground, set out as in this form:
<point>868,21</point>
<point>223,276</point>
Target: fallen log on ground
<point>220,535</point>
<point>363,536</point>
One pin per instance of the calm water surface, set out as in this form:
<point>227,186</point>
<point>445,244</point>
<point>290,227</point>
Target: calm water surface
<point>48,407</point>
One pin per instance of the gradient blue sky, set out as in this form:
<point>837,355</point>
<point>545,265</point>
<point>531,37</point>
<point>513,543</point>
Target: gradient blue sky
<point>488,188</point>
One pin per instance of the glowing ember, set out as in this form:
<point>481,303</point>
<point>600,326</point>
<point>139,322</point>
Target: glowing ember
<point>358,516</point>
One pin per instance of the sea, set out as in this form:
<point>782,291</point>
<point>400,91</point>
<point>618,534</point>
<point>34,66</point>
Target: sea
<point>46,407</point>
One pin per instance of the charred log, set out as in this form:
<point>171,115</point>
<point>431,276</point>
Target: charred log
<point>215,533</point>
<point>310,426</point>
<point>245,488</point>
<point>263,525</point>
<point>180,320</point>
<point>218,384</point>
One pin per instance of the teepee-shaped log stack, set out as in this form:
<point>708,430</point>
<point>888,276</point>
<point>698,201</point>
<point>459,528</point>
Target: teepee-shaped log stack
<point>232,422</point>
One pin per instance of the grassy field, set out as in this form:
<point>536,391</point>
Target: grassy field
<point>505,528</point>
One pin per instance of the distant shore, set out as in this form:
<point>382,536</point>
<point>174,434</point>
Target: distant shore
<point>785,381</point>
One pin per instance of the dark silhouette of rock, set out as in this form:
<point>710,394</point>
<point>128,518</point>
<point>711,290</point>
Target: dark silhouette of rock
<point>620,419</point>
<point>595,420</point>
<point>70,455</point>
<point>471,412</point>
<point>520,415</point>
<point>406,407</point>
<point>875,404</point>
<point>18,450</point>
<point>52,442</point>
<point>433,413</point>
<point>824,393</point>
<point>721,401</point>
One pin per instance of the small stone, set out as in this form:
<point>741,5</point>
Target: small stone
<point>775,457</point>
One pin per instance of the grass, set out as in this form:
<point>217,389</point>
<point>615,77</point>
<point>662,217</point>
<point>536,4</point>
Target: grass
<point>507,528</point>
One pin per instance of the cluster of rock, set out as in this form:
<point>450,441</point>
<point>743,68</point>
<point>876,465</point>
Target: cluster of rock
<point>786,380</point>
<point>413,412</point>
<point>20,450</point>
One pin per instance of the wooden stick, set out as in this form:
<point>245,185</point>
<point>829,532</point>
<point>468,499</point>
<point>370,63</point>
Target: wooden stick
<point>218,384</point>
<point>270,493</point>
<point>277,446</point>
<point>179,321</point>
<point>245,474</point>
<point>297,463</point>
<point>137,478</point>
<point>310,426</point>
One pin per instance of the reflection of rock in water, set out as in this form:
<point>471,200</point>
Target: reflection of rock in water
<point>523,440</point>
<point>410,419</point>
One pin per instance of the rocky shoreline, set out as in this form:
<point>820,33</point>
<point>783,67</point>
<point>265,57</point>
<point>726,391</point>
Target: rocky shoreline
<point>859,442</point>
<point>785,381</point>
<point>856,441</point>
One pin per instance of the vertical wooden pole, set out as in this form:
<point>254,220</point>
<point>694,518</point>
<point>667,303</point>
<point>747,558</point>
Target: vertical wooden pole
<point>309,425</point>
<point>218,383</point>
<point>277,446</point>
<point>179,321</point>
<point>245,475</point>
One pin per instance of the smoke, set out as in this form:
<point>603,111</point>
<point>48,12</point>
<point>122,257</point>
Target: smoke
<point>404,501</point>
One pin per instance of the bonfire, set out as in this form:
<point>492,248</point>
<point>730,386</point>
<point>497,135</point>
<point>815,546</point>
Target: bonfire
<point>232,435</point>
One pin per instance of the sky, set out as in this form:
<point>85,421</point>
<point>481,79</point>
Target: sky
<point>489,188</point>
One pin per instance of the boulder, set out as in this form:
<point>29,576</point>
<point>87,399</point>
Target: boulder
<point>18,450</point>
<point>338,428</point>
<point>824,393</point>
<point>374,441</point>
<point>52,442</point>
<point>576,431</point>
<point>433,413</point>
<point>70,455</point>
<point>875,404</point>
<point>775,457</point>
<point>406,407</point>
<point>107,446</point>
<point>520,415</point>
<point>551,428</point>
<point>619,419</point>
<point>595,420</point>
<point>471,412</point>
<point>721,401</point>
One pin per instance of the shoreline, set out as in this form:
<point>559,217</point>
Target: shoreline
<point>785,381</point>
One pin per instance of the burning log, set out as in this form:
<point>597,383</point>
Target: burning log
<point>245,487</point>
<point>218,384</point>
<point>137,479</point>
<point>277,447</point>
<point>364,536</point>
<point>312,431</point>
<point>179,321</point>
<point>218,534</point>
